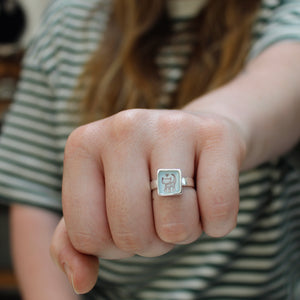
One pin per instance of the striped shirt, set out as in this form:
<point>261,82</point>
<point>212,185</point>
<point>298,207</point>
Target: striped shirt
<point>259,259</point>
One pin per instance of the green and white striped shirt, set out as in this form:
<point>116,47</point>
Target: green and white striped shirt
<point>259,259</point>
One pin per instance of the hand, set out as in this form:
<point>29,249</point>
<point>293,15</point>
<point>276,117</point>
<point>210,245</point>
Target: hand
<point>109,210</point>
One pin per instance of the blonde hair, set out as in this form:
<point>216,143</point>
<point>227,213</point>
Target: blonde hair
<point>120,74</point>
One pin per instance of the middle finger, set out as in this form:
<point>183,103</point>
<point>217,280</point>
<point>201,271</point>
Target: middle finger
<point>128,201</point>
<point>176,217</point>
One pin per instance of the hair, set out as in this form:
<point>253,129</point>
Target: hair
<point>121,74</point>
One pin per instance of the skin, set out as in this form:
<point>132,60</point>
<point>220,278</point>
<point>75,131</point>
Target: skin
<point>109,210</point>
<point>252,119</point>
<point>38,278</point>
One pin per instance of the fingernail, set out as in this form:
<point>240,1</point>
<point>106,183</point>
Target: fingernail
<point>70,275</point>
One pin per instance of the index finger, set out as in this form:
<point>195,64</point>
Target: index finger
<point>83,194</point>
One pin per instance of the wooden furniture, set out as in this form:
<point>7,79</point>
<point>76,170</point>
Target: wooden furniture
<point>10,65</point>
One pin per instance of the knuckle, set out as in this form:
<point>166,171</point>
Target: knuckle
<point>171,122</point>
<point>217,131</point>
<point>128,242</point>
<point>221,218</point>
<point>214,128</point>
<point>221,208</point>
<point>221,211</point>
<point>61,256</point>
<point>88,244</point>
<point>174,233</point>
<point>58,251</point>
<point>124,124</point>
<point>55,252</point>
<point>76,144</point>
<point>86,140</point>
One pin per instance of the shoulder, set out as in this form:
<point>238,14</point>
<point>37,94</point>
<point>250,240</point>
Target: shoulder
<point>271,9</point>
<point>70,30</point>
<point>67,19</point>
<point>277,21</point>
<point>74,24</point>
<point>66,7</point>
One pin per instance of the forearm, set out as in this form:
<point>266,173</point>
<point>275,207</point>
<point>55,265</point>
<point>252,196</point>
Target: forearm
<point>31,234</point>
<point>264,101</point>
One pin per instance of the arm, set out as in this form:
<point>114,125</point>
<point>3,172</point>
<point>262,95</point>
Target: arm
<point>252,119</point>
<point>31,232</point>
<point>264,101</point>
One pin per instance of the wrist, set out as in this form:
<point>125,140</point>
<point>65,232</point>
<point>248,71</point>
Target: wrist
<point>215,104</point>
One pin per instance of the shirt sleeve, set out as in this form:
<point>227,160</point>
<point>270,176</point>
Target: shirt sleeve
<point>278,20</point>
<point>30,155</point>
<point>45,109</point>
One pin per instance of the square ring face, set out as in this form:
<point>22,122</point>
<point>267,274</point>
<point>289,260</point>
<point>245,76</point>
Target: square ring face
<point>169,182</point>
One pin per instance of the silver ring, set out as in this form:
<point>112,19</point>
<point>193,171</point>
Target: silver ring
<point>170,182</point>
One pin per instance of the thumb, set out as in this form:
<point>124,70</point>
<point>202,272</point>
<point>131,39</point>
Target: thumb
<point>81,269</point>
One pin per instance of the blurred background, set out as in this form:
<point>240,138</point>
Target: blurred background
<point>19,20</point>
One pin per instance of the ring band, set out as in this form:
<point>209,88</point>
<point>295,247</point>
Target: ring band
<point>170,182</point>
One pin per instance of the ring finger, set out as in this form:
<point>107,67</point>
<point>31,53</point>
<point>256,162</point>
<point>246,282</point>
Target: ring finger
<point>176,217</point>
